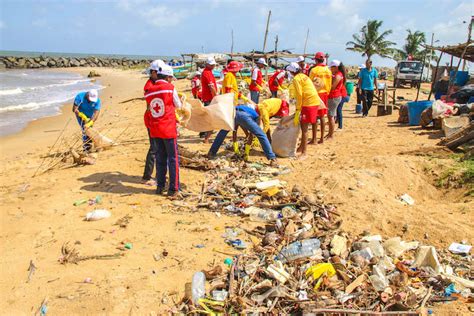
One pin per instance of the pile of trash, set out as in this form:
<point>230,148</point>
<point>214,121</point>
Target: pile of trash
<point>301,261</point>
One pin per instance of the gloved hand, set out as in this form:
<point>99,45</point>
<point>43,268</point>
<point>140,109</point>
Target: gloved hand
<point>89,124</point>
<point>296,120</point>
<point>247,152</point>
<point>255,143</point>
<point>236,148</point>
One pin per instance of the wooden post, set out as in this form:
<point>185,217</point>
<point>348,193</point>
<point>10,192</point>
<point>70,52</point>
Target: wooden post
<point>435,75</point>
<point>232,44</point>
<point>276,50</point>
<point>306,42</point>
<point>421,79</point>
<point>457,68</point>
<point>266,31</point>
<point>468,41</point>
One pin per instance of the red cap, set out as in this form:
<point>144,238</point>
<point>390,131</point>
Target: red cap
<point>284,109</point>
<point>234,66</point>
<point>319,55</point>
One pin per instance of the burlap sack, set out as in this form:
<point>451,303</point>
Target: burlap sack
<point>220,114</point>
<point>285,137</point>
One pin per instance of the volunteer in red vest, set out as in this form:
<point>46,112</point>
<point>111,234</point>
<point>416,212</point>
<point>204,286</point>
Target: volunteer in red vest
<point>303,66</point>
<point>155,66</point>
<point>275,81</point>
<point>257,80</point>
<point>162,99</point>
<point>335,95</point>
<point>209,89</point>
<point>196,85</point>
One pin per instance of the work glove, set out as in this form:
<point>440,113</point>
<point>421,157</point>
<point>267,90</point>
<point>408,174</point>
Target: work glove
<point>255,143</point>
<point>236,148</point>
<point>247,152</point>
<point>296,120</point>
<point>89,124</point>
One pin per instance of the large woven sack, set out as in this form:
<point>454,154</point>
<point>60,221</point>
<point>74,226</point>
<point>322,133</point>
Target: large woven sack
<point>99,140</point>
<point>220,114</point>
<point>285,137</point>
<point>403,114</point>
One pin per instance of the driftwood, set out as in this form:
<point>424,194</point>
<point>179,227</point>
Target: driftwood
<point>71,255</point>
<point>463,136</point>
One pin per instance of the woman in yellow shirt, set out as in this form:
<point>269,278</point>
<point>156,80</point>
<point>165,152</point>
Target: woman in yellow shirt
<point>229,84</point>
<point>307,103</point>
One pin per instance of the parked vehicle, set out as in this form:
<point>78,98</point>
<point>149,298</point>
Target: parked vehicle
<point>409,72</point>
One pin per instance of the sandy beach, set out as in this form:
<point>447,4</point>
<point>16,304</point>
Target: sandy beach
<point>362,171</point>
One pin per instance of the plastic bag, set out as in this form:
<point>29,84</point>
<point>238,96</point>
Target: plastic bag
<point>285,137</point>
<point>220,114</point>
<point>99,140</point>
<point>441,109</point>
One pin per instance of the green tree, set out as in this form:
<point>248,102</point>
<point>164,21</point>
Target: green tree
<point>372,41</point>
<point>414,43</point>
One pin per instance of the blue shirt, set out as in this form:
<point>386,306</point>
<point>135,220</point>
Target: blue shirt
<point>86,107</point>
<point>253,114</point>
<point>368,77</point>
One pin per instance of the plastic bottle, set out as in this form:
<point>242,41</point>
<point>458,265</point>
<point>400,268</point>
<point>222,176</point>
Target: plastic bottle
<point>198,289</point>
<point>97,215</point>
<point>299,249</point>
<point>265,215</point>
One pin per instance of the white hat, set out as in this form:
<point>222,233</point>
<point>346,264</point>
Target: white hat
<point>166,71</point>
<point>293,67</point>
<point>334,63</point>
<point>211,61</point>
<point>361,66</point>
<point>299,59</point>
<point>156,65</point>
<point>262,61</point>
<point>93,95</point>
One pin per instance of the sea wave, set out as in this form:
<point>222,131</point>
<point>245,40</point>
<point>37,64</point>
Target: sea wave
<point>31,106</point>
<point>11,91</point>
<point>69,83</point>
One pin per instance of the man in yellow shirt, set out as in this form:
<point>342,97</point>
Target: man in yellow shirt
<point>307,103</point>
<point>321,76</point>
<point>270,108</point>
<point>229,84</point>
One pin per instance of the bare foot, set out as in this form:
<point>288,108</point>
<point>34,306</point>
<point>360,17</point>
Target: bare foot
<point>321,141</point>
<point>329,137</point>
<point>300,149</point>
<point>302,156</point>
<point>311,142</point>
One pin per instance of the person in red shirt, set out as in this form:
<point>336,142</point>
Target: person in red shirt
<point>150,156</point>
<point>257,80</point>
<point>336,94</point>
<point>304,66</point>
<point>208,90</point>
<point>162,100</point>
<point>196,85</point>
<point>276,81</point>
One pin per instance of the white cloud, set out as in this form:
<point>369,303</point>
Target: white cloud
<point>464,9</point>
<point>345,13</point>
<point>156,15</point>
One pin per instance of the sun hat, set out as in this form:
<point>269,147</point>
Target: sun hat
<point>299,59</point>
<point>156,65</point>
<point>262,61</point>
<point>319,55</point>
<point>234,66</point>
<point>211,61</point>
<point>293,67</point>
<point>166,71</point>
<point>334,63</point>
<point>93,95</point>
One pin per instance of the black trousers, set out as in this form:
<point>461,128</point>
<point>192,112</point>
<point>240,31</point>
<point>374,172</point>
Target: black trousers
<point>150,161</point>
<point>367,99</point>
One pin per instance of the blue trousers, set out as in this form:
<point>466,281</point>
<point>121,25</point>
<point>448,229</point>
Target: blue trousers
<point>166,156</point>
<point>339,110</point>
<point>244,120</point>
<point>87,142</point>
<point>254,96</point>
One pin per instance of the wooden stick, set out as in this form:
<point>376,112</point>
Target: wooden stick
<point>426,297</point>
<point>132,99</point>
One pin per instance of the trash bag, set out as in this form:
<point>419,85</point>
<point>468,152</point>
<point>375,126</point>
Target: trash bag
<point>285,137</point>
<point>462,95</point>
<point>220,114</point>
<point>441,109</point>
<point>99,140</point>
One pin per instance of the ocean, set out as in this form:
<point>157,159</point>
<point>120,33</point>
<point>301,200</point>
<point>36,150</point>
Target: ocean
<point>27,95</point>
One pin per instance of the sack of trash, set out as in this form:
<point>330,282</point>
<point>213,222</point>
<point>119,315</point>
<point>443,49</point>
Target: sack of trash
<point>220,114</point>
<point>99,140</point>
<point>285,137</point>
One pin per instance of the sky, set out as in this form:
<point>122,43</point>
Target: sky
<point>147,27</point>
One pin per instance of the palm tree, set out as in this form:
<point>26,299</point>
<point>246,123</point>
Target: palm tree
<point>372,41</point>
<point>413,47</point>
